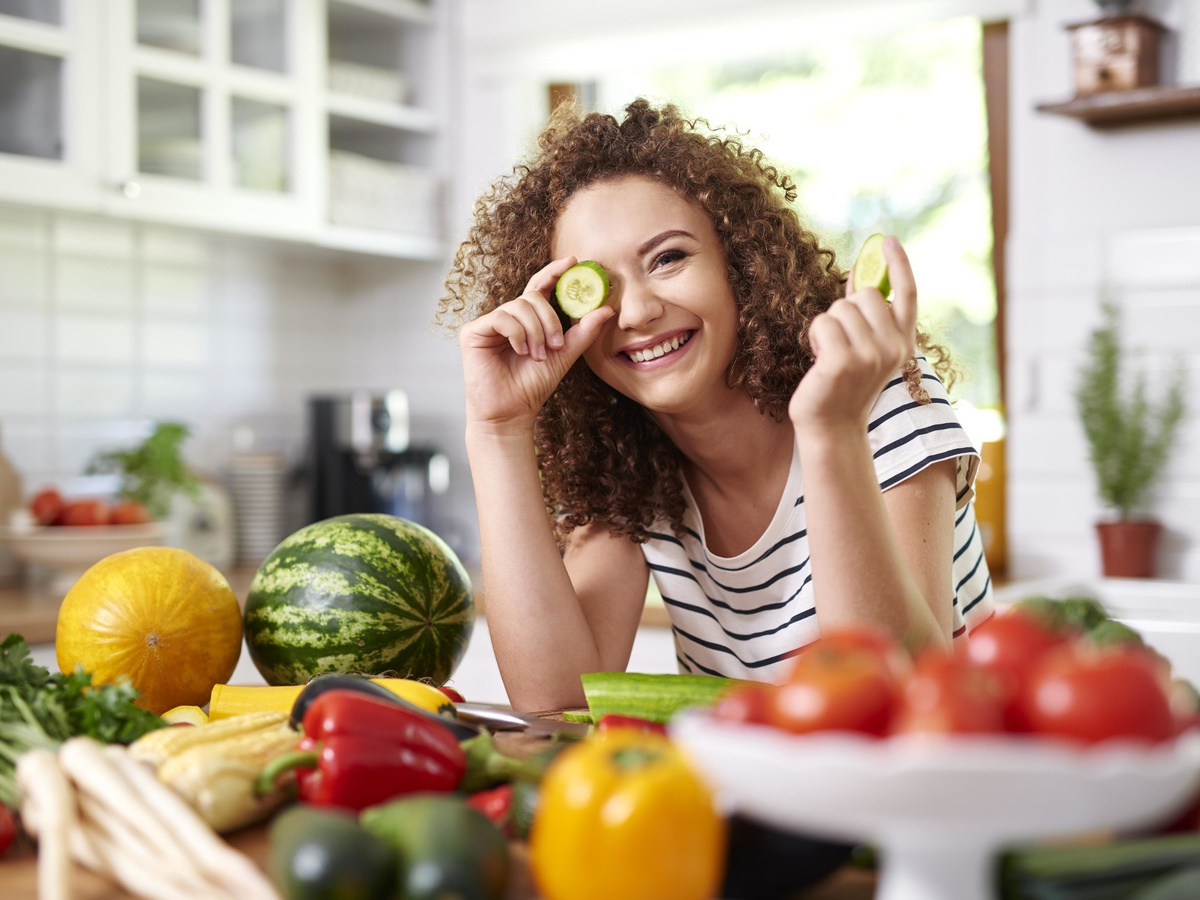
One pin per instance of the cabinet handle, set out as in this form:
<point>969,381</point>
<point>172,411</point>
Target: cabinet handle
<point>130,189</point>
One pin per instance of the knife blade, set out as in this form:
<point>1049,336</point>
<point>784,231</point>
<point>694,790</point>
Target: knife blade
<point>503,718</point>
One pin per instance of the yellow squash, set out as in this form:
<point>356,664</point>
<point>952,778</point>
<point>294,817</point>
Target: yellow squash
<point>159,616</point>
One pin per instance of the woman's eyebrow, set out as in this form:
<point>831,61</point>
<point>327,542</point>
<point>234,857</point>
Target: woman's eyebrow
<point>647,246</point>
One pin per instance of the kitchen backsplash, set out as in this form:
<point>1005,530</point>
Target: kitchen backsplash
<point>107,325</point>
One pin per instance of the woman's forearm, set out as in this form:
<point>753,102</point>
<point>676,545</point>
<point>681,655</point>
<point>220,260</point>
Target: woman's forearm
<point>540,636</point>
<point>860,573</point>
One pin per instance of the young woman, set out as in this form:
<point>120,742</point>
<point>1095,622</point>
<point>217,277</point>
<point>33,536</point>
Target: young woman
<point>737,421</point>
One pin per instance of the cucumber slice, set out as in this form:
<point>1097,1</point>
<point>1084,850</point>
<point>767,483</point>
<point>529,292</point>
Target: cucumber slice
<point>870,269</point>
<point>581,289</point>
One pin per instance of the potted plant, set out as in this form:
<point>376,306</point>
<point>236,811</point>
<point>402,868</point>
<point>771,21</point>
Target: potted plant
<point>1129,441</point>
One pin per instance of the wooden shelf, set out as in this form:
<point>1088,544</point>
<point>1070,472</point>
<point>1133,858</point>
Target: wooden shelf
<point>1118,108</point>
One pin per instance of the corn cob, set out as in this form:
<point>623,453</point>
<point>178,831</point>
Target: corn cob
<point>156,747</point>
<point>218,778</point>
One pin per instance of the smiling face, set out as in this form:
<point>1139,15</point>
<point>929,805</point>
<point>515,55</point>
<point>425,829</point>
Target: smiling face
<point>675,331</point>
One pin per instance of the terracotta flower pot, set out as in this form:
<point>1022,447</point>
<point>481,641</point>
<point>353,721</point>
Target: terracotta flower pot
<point>1129,548</point>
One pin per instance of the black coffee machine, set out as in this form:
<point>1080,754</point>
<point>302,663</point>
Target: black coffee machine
<point>362,459</point>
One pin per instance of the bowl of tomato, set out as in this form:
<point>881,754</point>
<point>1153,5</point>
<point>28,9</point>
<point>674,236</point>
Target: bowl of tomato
<point>65,537</point>
<point>943,760</point>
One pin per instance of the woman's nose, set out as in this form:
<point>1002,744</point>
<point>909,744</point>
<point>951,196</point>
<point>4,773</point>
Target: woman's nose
<point>637,306</point>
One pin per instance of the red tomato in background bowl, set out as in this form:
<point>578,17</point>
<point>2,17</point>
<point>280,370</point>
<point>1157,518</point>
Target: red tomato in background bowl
<point>84,513</point>
<point>46,506</point>
<point>1091,694</point>
<point>129,512</point>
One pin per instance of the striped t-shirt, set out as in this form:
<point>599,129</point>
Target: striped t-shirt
<point>746,616</point>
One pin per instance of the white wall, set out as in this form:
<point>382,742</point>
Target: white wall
<point>107,325</point>
<point>1094,214</point>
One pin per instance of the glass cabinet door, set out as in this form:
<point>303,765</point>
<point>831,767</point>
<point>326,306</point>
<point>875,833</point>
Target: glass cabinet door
<point>49,86</point>
<point>212,114</point>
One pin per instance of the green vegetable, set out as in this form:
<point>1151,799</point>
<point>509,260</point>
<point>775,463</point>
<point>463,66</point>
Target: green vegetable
<point>581,289</point>
<point>487,766</point>
<point>1181,885</point>
<point>323,854</point>
<point>653,697</point>
<point>153,471</point>
<point>447,849</point>
<point>1110,633</point>
<point>870,266</point>
<point>523,809</point>
<point>1083,613</point>
<point>1099,872</point>
<point>364,594</point>
<point>38,709</point>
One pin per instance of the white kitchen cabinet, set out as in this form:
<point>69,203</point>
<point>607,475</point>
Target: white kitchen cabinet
<point>49,123</point>
<point>317,121</point>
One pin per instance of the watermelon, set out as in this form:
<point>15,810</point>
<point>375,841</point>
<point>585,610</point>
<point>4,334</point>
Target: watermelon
<point>365,594</point>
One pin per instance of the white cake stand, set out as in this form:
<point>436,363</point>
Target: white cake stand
<point>939,810</point>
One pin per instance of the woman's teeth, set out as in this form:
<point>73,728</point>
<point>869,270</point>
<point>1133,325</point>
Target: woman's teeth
<point>660,349</point>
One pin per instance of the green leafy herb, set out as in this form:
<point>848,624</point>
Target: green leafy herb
<point>153,471</point>
<point>1129,439</point>
<point>40,709</point>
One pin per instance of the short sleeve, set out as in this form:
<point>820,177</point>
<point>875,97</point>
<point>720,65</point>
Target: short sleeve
<point>907,434</point>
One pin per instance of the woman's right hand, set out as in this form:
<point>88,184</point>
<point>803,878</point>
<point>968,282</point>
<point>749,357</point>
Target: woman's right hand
<point>516,355</point>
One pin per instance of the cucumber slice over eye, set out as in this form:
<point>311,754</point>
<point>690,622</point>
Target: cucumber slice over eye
<point>870,269</point>
<point>581,289</point>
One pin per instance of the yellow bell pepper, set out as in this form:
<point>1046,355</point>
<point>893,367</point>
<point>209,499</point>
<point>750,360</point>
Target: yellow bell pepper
<point>624,814</point>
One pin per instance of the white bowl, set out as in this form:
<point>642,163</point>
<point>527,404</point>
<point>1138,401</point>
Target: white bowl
<point>939,810</point>
<point>71,551</point>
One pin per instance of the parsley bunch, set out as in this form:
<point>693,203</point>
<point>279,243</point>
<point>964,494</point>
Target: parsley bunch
<point>40,709</point>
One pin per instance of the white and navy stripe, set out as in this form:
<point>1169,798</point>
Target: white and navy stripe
<point>748,615</point>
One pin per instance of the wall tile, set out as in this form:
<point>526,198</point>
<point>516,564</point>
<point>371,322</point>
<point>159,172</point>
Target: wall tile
<point>1168,257</point>
<point>23,276</point>
<point>177,396</point>
<point>24,390</point>
<point>105,340</point>
<point>94,284</point>
<point>162,244</point>
<point>24,334</point>
<point>93,394</point>
<point>28,447</point>
<point>172,289</point>
<point>76,235</point>
<point>183,345</point>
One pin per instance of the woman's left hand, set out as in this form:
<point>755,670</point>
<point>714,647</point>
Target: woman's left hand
<point>860,343</point>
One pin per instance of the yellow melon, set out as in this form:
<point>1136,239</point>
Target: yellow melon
<point>159,616</point>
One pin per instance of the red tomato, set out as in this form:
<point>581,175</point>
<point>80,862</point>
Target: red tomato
<point>85,512</point>
<point>1010,645</point>
<point>46,506</point>
<point>947,694</point>
<point>129,512</point>
<point>1090,695</point>
<point>8,828</point>
<point>839,685</point>
<point>872,640</point>
<point>749,704</point>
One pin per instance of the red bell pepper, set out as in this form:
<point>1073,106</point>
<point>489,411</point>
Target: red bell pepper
<point>359,751</point>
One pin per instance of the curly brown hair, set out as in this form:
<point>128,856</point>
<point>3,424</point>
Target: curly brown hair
<point>602,458</point>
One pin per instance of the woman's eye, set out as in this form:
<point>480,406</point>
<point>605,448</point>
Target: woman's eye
<point>667,257</point>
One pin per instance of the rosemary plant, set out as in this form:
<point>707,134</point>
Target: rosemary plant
<point>1129,438</point>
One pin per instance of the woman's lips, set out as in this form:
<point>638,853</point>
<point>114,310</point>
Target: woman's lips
<point>658,351</point>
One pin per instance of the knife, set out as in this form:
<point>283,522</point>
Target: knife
<point>503,718</point>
